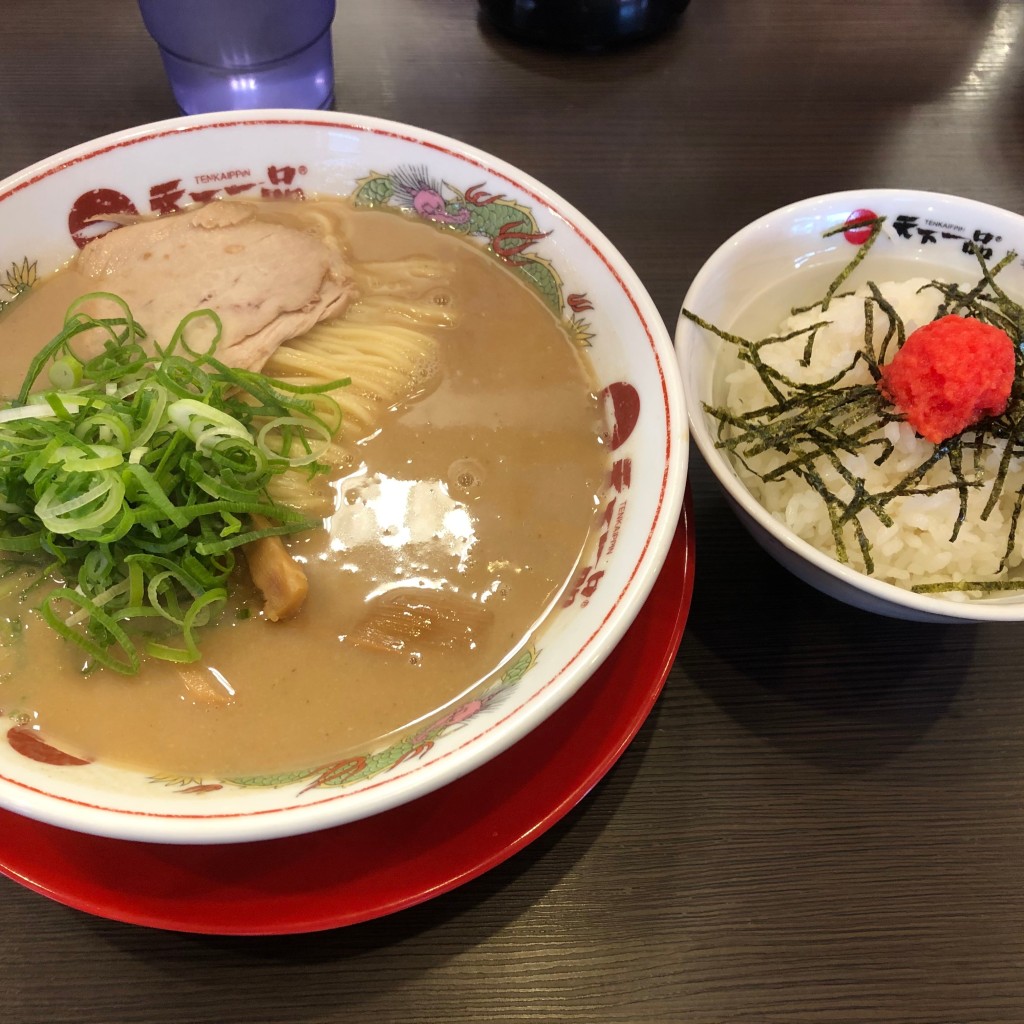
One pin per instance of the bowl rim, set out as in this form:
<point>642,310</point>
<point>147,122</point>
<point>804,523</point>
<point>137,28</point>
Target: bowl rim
<point>924,606</point>
<point>508,727</point>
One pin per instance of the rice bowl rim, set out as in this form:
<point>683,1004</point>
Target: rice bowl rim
<point>837,207</point>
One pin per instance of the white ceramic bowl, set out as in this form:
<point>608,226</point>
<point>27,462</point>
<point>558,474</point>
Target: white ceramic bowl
<point>45,214</point>
<point>782,260</point>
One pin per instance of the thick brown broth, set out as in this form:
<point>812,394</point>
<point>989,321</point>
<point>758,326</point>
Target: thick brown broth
<point>514,402</point>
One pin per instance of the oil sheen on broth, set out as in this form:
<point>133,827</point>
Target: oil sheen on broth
<point>512,401</point>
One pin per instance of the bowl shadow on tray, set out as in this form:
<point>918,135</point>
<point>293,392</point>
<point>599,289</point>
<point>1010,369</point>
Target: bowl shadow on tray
<point>494,899</point>
<point>830,684</point>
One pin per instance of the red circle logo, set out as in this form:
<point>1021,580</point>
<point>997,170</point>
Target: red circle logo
<point>861,223</point>
<point>624,402</point>
<point>85,219</point>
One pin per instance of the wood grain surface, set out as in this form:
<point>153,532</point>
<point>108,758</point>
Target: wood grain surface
<point>822,822</point>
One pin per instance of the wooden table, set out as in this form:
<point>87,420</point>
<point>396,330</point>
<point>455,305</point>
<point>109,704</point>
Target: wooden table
<point>823,818</point>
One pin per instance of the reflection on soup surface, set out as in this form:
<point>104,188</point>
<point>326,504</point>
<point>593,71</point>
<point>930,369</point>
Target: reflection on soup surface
<point>464,488</point>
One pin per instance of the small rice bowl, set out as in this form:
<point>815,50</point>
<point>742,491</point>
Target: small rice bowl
<point>917,548</point>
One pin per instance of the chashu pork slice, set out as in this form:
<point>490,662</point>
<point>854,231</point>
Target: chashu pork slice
<point>268,282</point>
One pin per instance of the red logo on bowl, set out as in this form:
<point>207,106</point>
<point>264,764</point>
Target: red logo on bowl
<point>86,216</point>
<point>859,230</point>
<point>30,744</point>
<point>622,409</point>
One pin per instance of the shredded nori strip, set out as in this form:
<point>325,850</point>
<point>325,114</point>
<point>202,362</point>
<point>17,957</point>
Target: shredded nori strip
<point>813,421</point>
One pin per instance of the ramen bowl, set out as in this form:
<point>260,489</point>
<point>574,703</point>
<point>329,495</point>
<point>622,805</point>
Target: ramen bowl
<point>786,260</point>
<point>56,208</point>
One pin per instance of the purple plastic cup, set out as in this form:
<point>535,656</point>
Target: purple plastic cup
<point>245,54</point>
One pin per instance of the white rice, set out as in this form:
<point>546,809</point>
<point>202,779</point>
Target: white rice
<point>917,548</point>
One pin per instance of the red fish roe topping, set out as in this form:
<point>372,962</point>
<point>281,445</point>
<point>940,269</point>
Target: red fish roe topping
<point>950,374</point>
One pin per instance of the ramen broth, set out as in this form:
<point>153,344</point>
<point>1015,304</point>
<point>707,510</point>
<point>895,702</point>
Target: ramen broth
<point>485,487</point>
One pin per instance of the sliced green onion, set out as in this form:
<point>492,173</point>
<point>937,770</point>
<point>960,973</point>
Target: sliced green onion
<point>26,412</point>
<point>97,637</point>
<point>135,476</point>
<point>66,373</point>
<point>292,432</point>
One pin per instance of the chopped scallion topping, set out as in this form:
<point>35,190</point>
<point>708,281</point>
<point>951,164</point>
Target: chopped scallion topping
<point>132,478</point>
